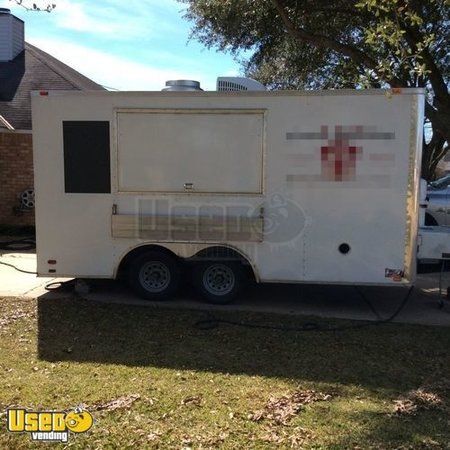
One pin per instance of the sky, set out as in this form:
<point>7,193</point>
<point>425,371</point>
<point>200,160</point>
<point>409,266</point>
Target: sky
<point>126,45</point>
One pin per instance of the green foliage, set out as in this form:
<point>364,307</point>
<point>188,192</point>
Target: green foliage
<point>323,44</point>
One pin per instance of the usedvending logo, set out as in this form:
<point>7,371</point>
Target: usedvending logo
<point>53,426</point>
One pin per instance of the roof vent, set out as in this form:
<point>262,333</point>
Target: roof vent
<point>238,84</point>
<point>182,85</point>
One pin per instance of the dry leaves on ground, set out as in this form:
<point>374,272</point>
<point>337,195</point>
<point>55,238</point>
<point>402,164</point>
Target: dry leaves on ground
<point>286,436</point>
<point>429,396</point>
<point>281,409</point>
<point>125,401</point>
<point>13,317</point>
<point>206,440</point>
<point>195,400</point>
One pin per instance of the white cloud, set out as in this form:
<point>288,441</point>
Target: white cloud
<point>115,71</point>
<point>74,16</point>
<point>130,20</point>
<point>112,18</point>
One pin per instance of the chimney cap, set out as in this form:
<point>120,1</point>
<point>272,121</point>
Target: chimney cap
<point>5,11</point>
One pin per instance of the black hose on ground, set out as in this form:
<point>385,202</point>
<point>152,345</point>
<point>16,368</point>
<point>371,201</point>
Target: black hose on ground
<point>213,322</point>
<point>28,243</point>
<point>16,268</point>
<point>60,285</point>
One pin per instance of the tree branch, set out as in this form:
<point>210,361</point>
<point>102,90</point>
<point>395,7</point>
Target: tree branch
<point>323,41</point>
<point>48,8</point>
<point>437,81</point>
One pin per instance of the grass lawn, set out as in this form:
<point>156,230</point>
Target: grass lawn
<point>153,380</point>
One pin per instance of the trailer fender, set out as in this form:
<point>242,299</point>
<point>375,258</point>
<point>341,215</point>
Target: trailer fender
<point>226,250</point>
<point>189,254</point>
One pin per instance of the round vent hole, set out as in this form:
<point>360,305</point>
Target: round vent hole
<point>344,248</point>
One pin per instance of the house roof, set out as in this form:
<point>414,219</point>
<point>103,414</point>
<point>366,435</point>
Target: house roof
<point>33,69</point>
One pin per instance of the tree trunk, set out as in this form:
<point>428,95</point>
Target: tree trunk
<point>432,153</point>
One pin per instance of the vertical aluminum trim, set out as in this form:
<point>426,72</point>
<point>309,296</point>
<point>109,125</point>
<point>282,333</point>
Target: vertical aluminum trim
<point>412,195</point>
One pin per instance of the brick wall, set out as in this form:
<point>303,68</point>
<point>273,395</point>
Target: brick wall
<point>16,175</point>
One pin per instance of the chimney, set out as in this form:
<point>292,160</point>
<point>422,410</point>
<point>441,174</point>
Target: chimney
<point>11,35</point>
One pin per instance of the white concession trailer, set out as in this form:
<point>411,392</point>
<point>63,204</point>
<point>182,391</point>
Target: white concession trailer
<point>285,186</point>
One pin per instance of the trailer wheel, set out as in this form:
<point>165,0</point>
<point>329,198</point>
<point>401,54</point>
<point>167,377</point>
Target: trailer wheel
<point>430,221</point>
<point>219,282</point>
<point>154,275</point>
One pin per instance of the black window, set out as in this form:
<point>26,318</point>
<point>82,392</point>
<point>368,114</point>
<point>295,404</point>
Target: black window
<point>86,157</point>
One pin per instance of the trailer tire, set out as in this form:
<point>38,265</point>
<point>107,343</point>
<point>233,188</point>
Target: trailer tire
<point>430,221</point>
<point>154,275</point>
<point>219,282</point>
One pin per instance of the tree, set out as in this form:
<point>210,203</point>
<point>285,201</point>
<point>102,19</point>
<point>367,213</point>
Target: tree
<point>320,44</point>
<point>31,6</point>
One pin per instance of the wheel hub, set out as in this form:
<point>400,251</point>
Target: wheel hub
<point>154,276</point>
<point>218,279</point>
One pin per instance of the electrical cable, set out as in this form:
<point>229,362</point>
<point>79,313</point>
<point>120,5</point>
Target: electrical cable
<point>16,268</point>
<point>53,286</point>
<point>368,303</point>
<point>27,243</point>
<point>50,286</point>
<point>57,285</point>
<point>214,322</point>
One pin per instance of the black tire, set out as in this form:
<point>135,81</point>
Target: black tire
<point>219,282</point>
<point>430,221</point>
<point>154,275</point>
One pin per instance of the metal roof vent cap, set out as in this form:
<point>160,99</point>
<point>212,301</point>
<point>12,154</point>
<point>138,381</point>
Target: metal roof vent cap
<point>182,85</point>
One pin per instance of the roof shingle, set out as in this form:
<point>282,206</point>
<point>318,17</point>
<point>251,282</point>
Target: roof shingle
<point>32,70</point>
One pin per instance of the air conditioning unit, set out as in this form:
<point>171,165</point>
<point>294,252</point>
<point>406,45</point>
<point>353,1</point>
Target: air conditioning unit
<point>238,84</point>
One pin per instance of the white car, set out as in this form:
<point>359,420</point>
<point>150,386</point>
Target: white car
<point>438,195</point>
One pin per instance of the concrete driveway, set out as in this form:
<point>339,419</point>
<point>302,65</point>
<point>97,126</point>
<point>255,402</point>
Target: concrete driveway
<point>317,300</point>
<point>17,284</point>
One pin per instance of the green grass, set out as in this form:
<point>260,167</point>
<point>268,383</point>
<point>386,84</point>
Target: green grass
<point>199,388</point>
